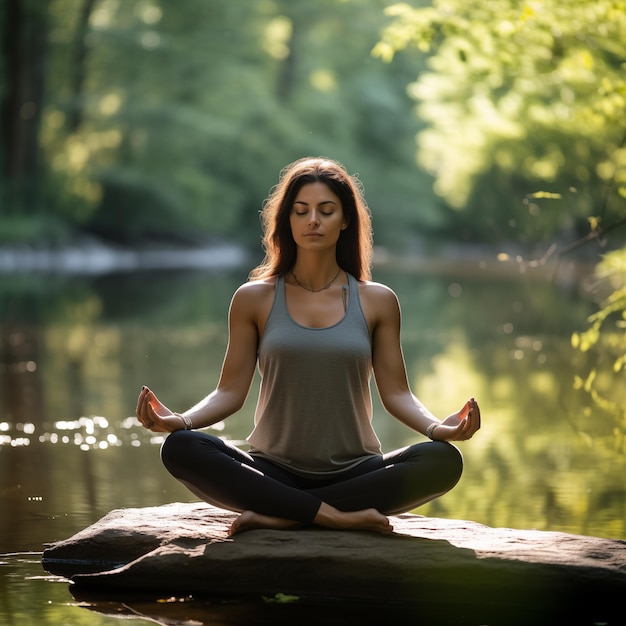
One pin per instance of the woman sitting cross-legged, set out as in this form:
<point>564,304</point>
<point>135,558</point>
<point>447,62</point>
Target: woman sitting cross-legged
<point>317,328</point>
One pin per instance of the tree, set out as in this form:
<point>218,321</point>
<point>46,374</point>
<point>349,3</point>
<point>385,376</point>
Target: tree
<point>605,342</point>
<point>529,100</point>
<point>24,26</point>
<point>521,97</point>
<point>162,119</point>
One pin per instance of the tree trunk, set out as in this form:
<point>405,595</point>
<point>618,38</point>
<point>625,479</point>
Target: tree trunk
<point>24,48</point>
<point>75,115</point>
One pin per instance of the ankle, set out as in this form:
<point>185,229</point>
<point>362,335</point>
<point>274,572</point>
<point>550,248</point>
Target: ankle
<point>330,517</point>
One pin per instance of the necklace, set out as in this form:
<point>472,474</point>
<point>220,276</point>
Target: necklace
<point>326,286</point>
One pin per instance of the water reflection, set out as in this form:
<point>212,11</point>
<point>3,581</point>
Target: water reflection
<point>75,352</point>
<point>38,599</point>
<point>75,355</point>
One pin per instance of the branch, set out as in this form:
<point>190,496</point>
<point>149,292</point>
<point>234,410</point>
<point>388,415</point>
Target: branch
<point>592,236</point>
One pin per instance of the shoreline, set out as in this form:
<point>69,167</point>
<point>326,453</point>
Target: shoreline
<point>92,257</point>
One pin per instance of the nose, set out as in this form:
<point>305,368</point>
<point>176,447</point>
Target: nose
<point>313,219</point>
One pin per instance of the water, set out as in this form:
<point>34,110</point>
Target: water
<point>76,350</point>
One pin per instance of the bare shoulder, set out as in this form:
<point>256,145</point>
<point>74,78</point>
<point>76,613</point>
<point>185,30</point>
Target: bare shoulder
<point>379,302</point>
<point>256,288</point>
<point>377,293</point>
<point>254,299</point>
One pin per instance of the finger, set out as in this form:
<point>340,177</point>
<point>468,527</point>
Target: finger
<point>151,400</point>
<point>468,425</point>
<point>476,411</point>
<point>468,429</point>
<point>141,411</point>
<point>145,413</point>
<point>463,428</point>
<point>151,414</point>
<point>158,407</point>
<point>145,399</point>
<point>145,406</point>
<point>140,400</point>
<point>151,423</point>
<point>473,414</point>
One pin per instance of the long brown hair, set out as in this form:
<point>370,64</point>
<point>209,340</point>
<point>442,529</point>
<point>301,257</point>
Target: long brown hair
<point>354,247</point>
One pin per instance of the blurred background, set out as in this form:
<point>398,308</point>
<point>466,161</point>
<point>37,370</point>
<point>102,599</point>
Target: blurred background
<point>139,139</point>
<point>150,120</point>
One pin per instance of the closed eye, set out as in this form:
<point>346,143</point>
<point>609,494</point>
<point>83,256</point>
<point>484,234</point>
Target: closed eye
<point>327,208</point>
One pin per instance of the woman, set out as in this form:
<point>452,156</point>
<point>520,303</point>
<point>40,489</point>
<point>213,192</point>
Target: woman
<point>317,328</point>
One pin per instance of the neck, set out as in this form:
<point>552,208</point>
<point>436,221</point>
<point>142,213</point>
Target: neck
<point>315,281</point>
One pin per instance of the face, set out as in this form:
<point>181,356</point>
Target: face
<point>316,217</point>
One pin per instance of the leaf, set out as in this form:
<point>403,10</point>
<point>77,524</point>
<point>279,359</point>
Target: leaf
<point>527,13</point>
<point>545,194</point>
<point>281,598</point>
<point>590,379</point>
<point>594,222</point>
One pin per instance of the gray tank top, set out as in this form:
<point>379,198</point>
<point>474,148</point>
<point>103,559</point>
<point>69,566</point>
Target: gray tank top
<point>314,413</point>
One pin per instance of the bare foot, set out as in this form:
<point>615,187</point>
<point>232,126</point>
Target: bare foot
<point>249,520</point>
<point>327,516</point>
<point>366,519</point>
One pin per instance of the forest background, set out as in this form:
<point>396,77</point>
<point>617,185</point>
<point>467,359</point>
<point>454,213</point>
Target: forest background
<point>492,123</point>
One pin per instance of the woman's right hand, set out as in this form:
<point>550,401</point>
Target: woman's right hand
<point>154,415</point>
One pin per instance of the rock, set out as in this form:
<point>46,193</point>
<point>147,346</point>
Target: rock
<point>446,565</point>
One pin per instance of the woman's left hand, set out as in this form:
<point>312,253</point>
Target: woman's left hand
<point>461,425</point>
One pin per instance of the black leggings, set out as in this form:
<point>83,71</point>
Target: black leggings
<point>229,478</point>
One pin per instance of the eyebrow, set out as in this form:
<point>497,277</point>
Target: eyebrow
<point>320,204</point>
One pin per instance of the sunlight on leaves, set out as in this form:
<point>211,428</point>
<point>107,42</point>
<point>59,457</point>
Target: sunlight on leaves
<point>545,194</point>
<point>548,68</point>
<point>276,38</point>
<point>605,340</point>
<point>594,222</point>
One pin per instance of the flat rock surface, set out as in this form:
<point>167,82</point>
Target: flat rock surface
<point>444,564</point>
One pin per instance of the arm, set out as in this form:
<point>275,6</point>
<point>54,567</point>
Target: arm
<point>383,310</point>
<point>235,378</point>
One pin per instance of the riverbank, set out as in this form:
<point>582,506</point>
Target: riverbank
<point>90,256</point>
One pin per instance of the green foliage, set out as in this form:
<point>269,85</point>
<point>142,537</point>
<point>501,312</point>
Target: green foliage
<point>281,598</point>
<point>23,229</point>
<point>163,118</point>
<point>520,97</point>
<point>605,340</point>
<point>612,272</point>
<point>525,112</point>
<point>166,119</point>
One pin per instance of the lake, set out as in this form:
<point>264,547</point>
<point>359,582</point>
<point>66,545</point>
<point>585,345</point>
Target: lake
<point>75,350</point>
